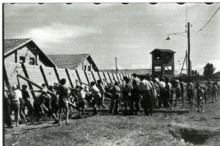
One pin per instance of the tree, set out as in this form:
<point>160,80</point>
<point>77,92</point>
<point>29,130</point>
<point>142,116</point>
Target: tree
<point>197,76</point>
<point>208,70</point>
<point>193,72</point>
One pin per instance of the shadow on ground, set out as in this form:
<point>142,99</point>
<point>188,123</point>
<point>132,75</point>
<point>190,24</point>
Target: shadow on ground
<point>194,136</point>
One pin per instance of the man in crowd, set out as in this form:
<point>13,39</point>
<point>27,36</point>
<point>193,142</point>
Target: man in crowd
<point>116,96</point>
<point>6,111</point>
<point>14,97</point>
<point>214,92</point>
<point>182,90</point>
<point>101,89</point>
<point>28,104</point>
<point>178,92</point>
<point>127,94</point>
<point>97,97</point>
<point>135,98</point>
<point>161,85</point>
<point>191,92</point>
<point>167,94</point>
<point>146,101</point>
<point>200,98</point>
<point>81,101</point>
<point>63,99</point>
<point>155,81</point>
<point>153,91</point>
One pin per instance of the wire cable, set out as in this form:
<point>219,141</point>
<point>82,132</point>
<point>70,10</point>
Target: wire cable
<point>209,20</point>
<point>186,13</point>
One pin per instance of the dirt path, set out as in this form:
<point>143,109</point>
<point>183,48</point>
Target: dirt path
<point>110,130</point>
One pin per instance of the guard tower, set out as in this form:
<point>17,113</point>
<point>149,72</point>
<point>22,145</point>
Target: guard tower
<point>163,63</point>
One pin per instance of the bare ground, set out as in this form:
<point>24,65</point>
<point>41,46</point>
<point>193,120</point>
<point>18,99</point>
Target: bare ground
<point>194,128</point>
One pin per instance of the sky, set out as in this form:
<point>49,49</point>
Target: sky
<point>129,32</point>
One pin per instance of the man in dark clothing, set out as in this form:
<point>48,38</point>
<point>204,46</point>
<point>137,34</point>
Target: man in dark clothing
<point>191,93</point>
<point>135,99</point>
<point>115,98</point>
<point>146,91</point>
<point>26,98</point>
<point>200,98</point>
<point>127,93</point>
<point>168,94</point>
<point>63,99</point>
<point>182,90</point>
<point>54,104</point>
<point>6,111</point>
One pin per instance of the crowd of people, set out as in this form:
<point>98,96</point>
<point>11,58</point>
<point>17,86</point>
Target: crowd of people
<point>131,95</point>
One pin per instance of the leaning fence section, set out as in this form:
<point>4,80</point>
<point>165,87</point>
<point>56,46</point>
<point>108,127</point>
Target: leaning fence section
<point>50,75</point>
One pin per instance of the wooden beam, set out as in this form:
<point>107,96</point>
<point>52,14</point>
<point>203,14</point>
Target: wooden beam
<point>56,72</point>
<point>44,76</point>
<point>27,76</point>
<point>68,75</point>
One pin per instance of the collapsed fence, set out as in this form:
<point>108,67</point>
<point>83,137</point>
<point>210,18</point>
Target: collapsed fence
<point>50,75</point>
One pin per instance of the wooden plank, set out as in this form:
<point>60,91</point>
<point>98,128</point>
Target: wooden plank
<point>50,75</point>
<point>35,75</point>
<point>111,77</point>
<point>12,69</point>
<point>90,77</point>
<point>107,77</point>
<point>96,75</point>
<point>102,77</point>
<point>62,74</point>
<point>119,78</point>
<point>73,76</point>
<point>115,77</point>
<point>68,75</point>
<point>82,76</point>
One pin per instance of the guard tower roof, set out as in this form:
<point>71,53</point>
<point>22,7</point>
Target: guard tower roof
<point>162,50</point>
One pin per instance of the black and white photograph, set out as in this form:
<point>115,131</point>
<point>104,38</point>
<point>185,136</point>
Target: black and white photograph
<point>111,74</point>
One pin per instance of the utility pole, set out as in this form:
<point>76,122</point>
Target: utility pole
<point>189,62</point>
<point>186,62</point>
<point>185,59</point>
<point>116,65</point>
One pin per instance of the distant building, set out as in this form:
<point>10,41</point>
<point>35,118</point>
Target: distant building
<point>24,51</point>
<point>216,75</point>
<point>139,72</point>
<point>163,63</point>
<point>74,61</point>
